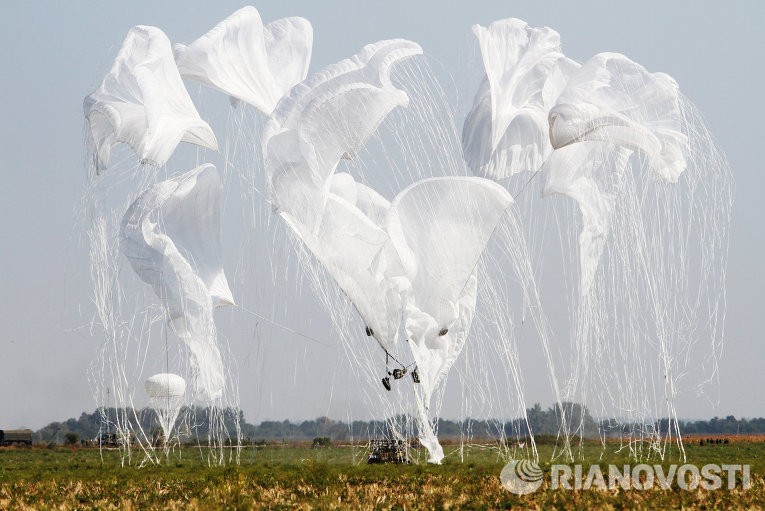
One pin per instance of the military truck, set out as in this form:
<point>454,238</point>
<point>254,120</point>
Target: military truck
<point>15,437</point>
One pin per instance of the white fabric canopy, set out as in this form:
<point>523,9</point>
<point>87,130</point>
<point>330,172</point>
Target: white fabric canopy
<point>143,103</point>
<point>613,99</point>
<point>440,228</point>
<point>506,132</point>
<point>171,237</point>
<point>327,117</point>
<point>250,62</point>
<point>591,174</point>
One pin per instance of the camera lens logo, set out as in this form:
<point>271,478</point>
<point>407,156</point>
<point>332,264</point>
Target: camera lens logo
<point>521,477</point>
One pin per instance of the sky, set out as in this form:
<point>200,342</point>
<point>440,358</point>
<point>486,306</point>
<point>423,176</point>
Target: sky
<point>55,54</point>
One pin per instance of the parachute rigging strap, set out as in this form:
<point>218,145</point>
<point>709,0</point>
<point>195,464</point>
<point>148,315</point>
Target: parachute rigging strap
<point>288,329</point>
<point>388,355</point>
<point>527,183</point>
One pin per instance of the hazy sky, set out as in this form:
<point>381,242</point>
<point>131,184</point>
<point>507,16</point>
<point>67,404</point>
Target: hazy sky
<point>55,53</point>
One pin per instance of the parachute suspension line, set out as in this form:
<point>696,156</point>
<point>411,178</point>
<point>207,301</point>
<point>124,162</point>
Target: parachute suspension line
<point>388,355</point>
<point>283,327</point>
<point>167,355</point>
<point>497,225</point>
<point>527,183</point>
<point>167,365</point>
<point>472,271</point>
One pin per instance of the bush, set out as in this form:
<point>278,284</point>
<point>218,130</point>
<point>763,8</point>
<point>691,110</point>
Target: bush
<point>321,441</point>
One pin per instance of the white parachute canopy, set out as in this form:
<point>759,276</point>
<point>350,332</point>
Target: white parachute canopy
<point>248,61</point>
<point>506,132</point>
<point>166,392</point>
<point>654,194</point>
<point>591,173</point>
<point>143,103</point>
<point>355,250</point>
<point>440,228</point>
<point>171,236</point>
<point>327,117</point>
<point>613,99</point>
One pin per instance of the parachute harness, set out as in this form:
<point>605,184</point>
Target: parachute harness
<point>398,373</point>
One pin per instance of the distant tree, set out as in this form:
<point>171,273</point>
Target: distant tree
<point>72,438</point>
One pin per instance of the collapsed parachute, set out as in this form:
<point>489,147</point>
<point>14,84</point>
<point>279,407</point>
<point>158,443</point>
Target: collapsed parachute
<point>248,61</point>
<point>613,99</point>
<point>437,228</point>
<point>358,255</point>
<point>591,173</point>
<point>440,227</point>
<point>171,237</point>
<point>327,117</point>
<point>143,103</point>
<point>610,107</point>
<point>600,128</point>
<point>609,99</point>
<point>506,131</point>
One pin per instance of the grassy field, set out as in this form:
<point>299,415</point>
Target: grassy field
<point>298,477</point>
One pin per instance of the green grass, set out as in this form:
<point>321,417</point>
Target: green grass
<point>289,477</point>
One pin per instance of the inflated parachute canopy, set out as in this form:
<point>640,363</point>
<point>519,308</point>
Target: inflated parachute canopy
<point>613,99</point>
<point>591,174</point>
<point>248,61</point>
<point>506,131</point>
<point>166,392</point>
<point>327,117</point>
<point>165,386</point>
<point>171,237</point>
<point>142,102</point>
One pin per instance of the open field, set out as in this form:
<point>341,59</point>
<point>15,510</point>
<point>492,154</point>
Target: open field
<point>290,476</point>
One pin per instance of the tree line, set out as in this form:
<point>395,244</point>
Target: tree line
<point>193,422</point>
